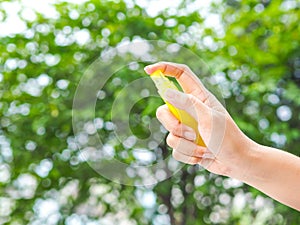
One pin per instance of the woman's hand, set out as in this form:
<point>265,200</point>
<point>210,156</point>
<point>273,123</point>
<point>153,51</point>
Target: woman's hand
<point>225,143</point>
<point>228,151</point>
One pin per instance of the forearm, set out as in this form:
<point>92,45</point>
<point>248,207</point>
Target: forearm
<point>274,172</point>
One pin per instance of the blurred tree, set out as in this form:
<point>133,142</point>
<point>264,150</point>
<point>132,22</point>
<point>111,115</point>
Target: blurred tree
<point>253,49</point>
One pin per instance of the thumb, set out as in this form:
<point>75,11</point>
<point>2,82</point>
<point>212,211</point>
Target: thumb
<point>186,102</point>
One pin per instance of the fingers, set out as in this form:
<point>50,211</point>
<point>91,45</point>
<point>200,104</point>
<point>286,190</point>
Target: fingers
<point>172,124</point>
<point>184,158</point>
<point>185,147</point>
<point>187,151</point>
<point>189,82</point>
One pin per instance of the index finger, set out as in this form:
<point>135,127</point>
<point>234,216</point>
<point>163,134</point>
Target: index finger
<point>189,82</point>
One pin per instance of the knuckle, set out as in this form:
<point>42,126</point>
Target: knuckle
<point>192,99</point>
<point>185,68</point>
<point>192,161</point>
<point>197,152</point>
<point>176,129</point>
<point>189,102</point>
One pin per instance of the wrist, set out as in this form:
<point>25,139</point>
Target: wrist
<point>244,169</point>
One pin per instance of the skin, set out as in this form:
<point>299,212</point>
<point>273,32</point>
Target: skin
<point>228,150</point>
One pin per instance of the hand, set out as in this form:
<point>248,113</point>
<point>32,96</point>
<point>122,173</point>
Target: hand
<point>228,151</point>
<point>226,148</point>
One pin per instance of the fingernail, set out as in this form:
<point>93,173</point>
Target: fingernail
<point>190,135</point>
<point>147,69</point>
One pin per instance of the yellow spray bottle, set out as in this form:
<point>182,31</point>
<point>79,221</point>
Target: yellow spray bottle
<point>162,83</point>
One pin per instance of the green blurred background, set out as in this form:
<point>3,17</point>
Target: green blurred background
<point>253,50</point>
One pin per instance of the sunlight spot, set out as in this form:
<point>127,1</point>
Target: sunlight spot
<point>44,80</point>
<point>62,84</point>
<point>26,185</point>
<point>44,168</point>
<point>284,113</point>
<point>82,36</point>
<point>4,173</point>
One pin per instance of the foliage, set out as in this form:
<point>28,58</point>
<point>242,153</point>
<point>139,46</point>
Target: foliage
<point>254,59</point>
